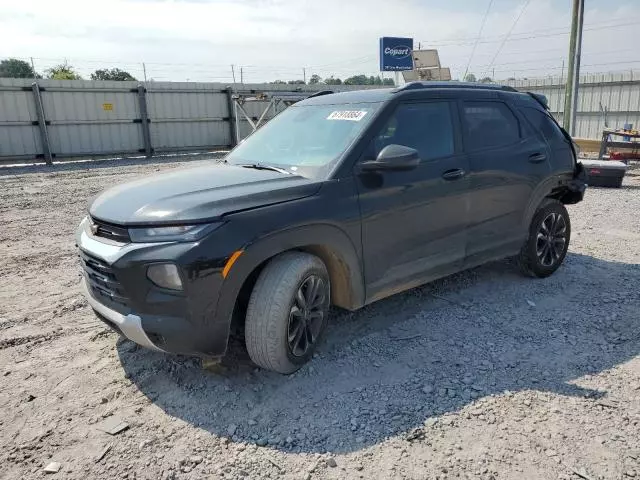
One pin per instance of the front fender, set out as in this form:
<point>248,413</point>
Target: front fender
<point>327,241</point>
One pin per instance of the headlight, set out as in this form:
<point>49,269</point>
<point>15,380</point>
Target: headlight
<point>179,233</point>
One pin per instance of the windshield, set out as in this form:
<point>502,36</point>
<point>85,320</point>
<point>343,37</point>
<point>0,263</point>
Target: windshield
<point>305,139</point>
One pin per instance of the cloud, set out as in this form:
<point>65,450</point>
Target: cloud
<point>199,39</point>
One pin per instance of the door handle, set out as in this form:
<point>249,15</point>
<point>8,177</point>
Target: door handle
<point>453,174</point>
<point>537,158</point>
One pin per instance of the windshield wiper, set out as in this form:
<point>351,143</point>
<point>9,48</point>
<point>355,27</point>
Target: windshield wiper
<point>262,166</point>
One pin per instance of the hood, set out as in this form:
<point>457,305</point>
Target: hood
<point>197,194</point>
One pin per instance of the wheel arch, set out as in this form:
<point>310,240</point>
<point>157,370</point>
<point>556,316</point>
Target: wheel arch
<point>328,242</point>
<point>547,191</point>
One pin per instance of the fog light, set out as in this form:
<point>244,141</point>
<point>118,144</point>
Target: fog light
<point>165,275</point>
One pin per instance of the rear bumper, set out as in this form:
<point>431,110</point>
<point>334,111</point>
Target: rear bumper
<point>575,187</point>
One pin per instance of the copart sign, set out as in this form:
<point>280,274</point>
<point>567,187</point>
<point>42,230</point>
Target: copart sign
<point>396,54</point>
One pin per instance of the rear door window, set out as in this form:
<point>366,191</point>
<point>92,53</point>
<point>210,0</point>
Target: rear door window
<point>427,127</point>
<point>489,125</point>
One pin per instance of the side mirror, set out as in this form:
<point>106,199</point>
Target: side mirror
<point>393,157</point>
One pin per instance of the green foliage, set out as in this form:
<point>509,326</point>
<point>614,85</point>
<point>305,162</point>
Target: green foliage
<point>112,74</point>
<point>370,80</point>
<point>486,80</point>
<point>64,71</point>
<point>470,77</point>
<point>332,81</point>
<point>355,80</point>
<point>14,68</point>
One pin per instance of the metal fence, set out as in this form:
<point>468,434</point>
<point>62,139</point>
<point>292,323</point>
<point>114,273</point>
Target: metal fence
<point>603,98</point>
<point>75,118</point>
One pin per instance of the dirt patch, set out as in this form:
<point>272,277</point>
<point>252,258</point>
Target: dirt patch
<point>485,374</point>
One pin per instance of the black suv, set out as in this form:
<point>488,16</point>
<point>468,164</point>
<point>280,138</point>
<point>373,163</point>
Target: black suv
<point>342,199</point>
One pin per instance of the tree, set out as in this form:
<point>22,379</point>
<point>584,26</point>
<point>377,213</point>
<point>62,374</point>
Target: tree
<point>315,79</point>
<point>14,68</point>
<point>64,71</point>
<point>486,80</point>
<point>332,81</point>
<point>370,80</point>
<point>278,82</point>
<point>470,77</point>
<point>357,80</point>
<point>296,82</point>
<point>112,74</point>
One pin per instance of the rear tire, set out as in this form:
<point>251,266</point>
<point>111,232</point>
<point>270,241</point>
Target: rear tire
<point>287,312</point>
<point>548,241</point>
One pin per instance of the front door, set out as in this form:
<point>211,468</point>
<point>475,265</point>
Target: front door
<point>413,222</point>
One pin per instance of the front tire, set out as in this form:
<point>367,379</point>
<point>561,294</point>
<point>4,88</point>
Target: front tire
<point>548,240</point>
<point>287,312</point>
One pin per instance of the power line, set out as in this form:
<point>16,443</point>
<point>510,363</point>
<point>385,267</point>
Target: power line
<point>524,7</point>
<point>566,32</point>
<point>484,20</point>
<point>602,24</point>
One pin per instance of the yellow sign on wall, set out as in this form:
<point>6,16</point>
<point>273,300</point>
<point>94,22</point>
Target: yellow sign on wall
<point>107,107</point>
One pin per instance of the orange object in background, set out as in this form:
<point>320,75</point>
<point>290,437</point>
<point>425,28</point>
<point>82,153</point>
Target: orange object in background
<point>624,156</point>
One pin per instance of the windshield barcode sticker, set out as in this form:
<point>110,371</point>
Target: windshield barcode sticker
<point>351,115</point>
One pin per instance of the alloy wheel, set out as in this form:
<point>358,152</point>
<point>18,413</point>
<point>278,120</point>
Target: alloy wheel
<point>307,315</point>
<point>551,239</point>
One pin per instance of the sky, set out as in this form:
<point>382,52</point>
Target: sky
<point>199,40</point>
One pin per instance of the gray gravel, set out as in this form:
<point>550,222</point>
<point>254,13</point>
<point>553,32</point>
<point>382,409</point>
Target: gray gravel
<point>485,374</point>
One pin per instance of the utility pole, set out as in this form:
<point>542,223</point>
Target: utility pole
<point>573,72</point>
<point>144,72</point>
<point>33,67</point>
<point>233,72</point>
<point>304,75</point>
<point>241,76</point>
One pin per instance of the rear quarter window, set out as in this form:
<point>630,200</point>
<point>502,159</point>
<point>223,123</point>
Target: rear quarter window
<point>544,124</point>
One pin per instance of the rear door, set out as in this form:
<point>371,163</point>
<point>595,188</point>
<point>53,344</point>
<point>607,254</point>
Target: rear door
<point>413,222</point>
<point>507,161</point>
<point>561,153</point>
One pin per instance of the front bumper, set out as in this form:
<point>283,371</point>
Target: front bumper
<point>128,325</point>
<point>195,321</point>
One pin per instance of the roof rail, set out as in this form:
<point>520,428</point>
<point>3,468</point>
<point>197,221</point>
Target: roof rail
<point>479,86</point>
<point>320,93</point>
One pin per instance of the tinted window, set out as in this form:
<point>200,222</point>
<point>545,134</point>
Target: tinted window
<point>544,124</point>
<point>305,138</point>
<point>489,125</point>
<point>427,127</point>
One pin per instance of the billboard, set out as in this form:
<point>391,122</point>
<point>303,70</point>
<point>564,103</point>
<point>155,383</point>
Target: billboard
<point>426,59</point>
<point>427,74</point>
<point>396,54</point>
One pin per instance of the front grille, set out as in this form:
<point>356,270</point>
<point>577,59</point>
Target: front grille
<point>110,231</point>
<point>102,282</point>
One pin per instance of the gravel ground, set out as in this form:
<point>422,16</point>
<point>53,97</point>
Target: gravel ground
<point>485,374</point>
